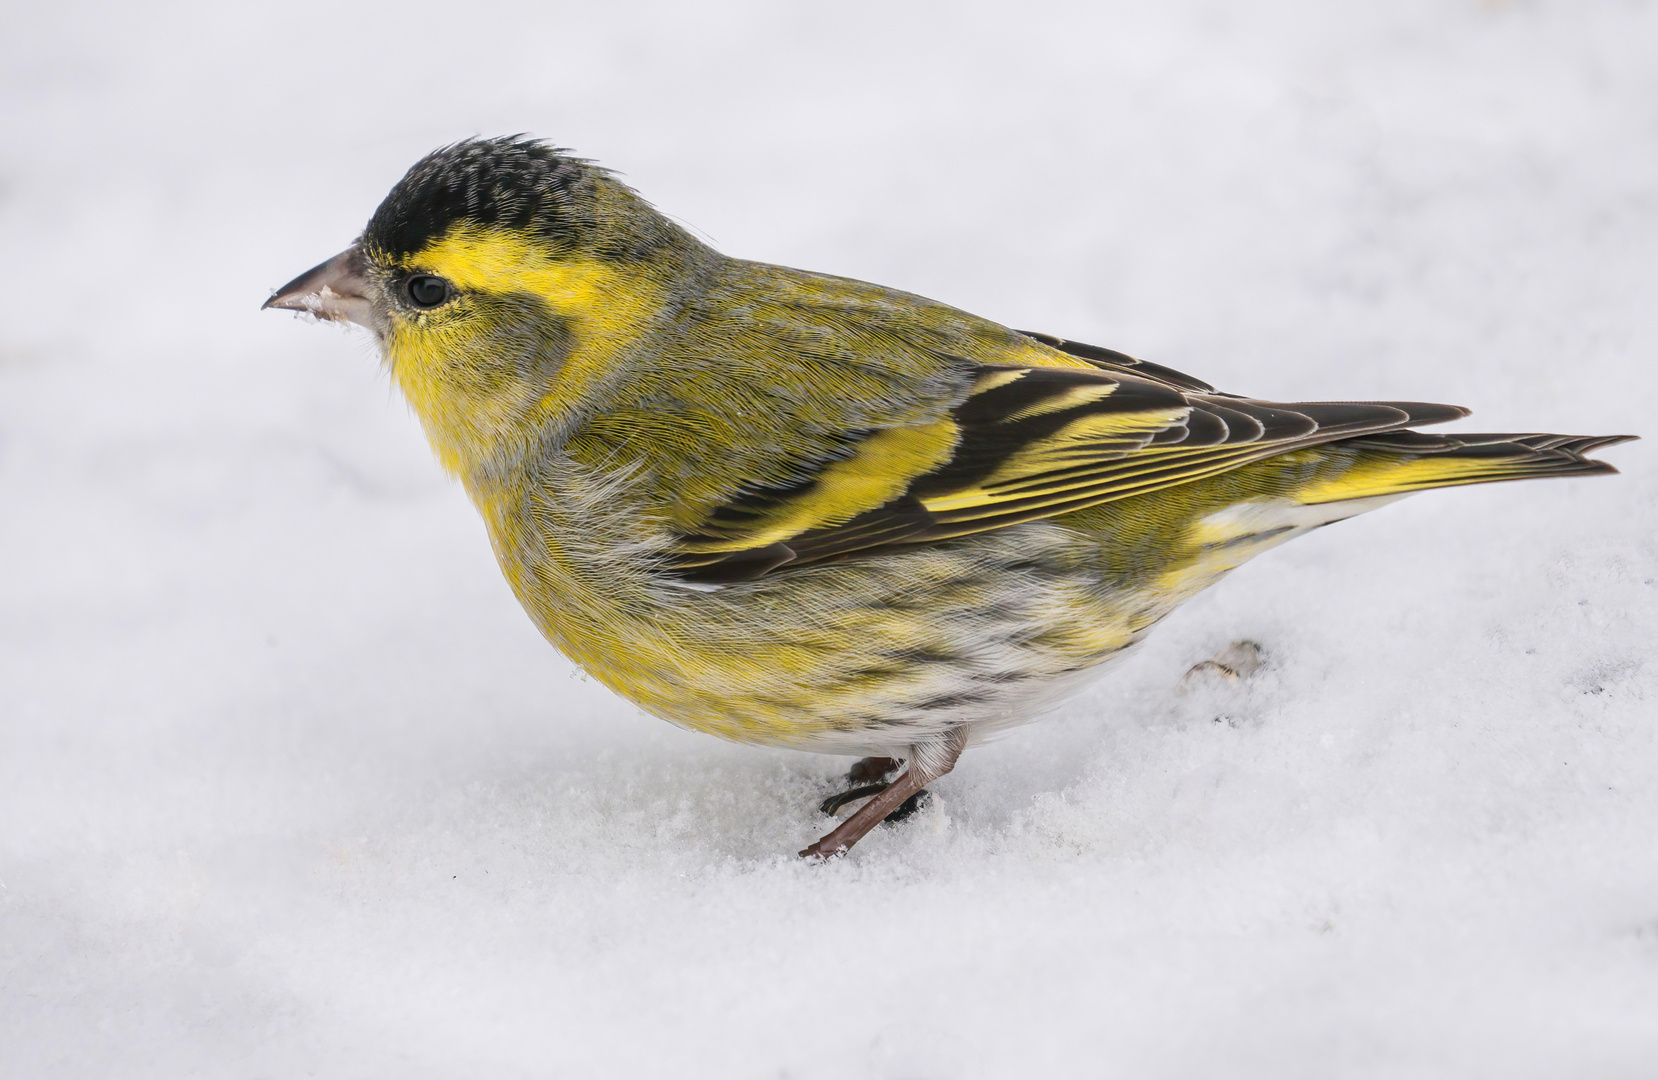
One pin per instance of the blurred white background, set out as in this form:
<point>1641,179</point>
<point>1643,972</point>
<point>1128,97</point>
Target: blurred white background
<point>290,787</point>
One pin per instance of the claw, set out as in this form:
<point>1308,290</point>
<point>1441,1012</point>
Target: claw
<point>834,802</point>
<point>903,796</point>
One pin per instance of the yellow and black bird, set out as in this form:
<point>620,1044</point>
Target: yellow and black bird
<point>796,509</point>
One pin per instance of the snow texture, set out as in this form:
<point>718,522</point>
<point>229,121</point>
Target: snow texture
<point>290,787</point>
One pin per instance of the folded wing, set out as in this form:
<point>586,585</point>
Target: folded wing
<point>1027,442</point>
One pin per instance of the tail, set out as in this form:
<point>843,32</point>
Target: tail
<point>1401,462</point>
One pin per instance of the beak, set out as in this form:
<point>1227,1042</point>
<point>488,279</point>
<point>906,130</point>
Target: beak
<point>336,290</point>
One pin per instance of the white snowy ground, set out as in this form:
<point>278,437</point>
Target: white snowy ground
<point>290,787</point>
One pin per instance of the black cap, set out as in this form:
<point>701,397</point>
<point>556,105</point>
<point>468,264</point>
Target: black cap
<point>511,182</point>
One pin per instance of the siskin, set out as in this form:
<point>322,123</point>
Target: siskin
<point>795,509</point>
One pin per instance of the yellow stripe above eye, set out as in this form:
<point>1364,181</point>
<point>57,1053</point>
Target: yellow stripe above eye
<point>499,261</point>
<point>881,469</point>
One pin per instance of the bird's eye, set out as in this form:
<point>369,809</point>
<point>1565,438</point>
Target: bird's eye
<point>427,291</point>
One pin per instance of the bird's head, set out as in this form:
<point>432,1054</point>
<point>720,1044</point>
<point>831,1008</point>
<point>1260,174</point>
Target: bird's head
<point>500,276</point>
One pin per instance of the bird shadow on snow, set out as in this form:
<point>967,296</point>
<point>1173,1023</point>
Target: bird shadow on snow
<point>648,795</point>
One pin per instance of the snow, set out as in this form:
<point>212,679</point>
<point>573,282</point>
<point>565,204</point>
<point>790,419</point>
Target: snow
<point>290,787</point>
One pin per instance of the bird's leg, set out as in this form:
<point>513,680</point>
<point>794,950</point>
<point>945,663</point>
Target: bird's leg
<point>867,777</point>
<point>927,762</point>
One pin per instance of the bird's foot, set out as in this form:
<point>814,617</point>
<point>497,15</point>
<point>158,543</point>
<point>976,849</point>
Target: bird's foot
<point>870,776</point>
<point>891,801</point>
<point>835,803</point>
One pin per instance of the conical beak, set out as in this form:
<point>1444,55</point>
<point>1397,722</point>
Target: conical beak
<point>336,290</point>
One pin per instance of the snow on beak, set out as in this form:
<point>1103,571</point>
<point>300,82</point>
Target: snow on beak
<point>336,290</point>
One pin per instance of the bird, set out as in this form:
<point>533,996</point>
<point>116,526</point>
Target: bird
<point>793,509</point>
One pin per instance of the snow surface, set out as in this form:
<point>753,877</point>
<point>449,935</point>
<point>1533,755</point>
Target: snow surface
<point>290,787</point>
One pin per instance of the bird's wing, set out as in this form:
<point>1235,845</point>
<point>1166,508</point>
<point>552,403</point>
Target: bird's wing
<point>1027,442</point>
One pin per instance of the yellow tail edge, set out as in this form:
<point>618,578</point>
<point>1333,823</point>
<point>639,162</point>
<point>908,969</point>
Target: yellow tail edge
<point>1402,462</point>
